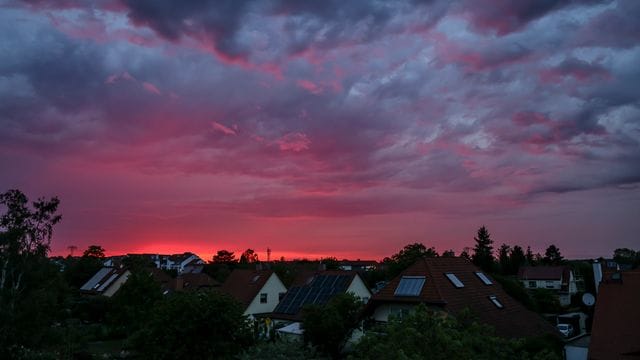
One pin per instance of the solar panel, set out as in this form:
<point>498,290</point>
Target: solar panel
<point>484,278</point>
<point>108,282</point>
<point>410,286</point>
<point>89,285</point>
<point>454,280</point>
<point>318,292</point>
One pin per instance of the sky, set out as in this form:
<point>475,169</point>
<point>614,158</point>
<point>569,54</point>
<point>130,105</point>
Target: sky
<point>325,128</point>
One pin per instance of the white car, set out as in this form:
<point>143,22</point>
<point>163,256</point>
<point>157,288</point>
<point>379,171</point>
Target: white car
<point>565,329</point>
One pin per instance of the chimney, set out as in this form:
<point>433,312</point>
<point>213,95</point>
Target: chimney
<point>597,273</point>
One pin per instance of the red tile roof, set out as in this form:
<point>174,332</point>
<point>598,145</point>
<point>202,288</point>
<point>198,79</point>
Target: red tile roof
<point>615,332</point>
<point>513,320</point>
<point>245,284</point>
<point>543,272</point>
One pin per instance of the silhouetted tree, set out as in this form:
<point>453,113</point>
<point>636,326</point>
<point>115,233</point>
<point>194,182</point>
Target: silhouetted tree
<point>198,325</point>
<point>329,327</point>
<point>483,250</point>
<point>516,259</point>
<point>95,251</point>
<point>465,253</point>
<point>407,257</point>
<point>330,263</point>
<point>503,258</point>
<point>31,288</point>
<point>552,255</point>
<point>225,257</point>
<point>530,257</point>
<point>449,253</point>
<point>626,256</point>
<point>248,257</point>
<point>132,304</point>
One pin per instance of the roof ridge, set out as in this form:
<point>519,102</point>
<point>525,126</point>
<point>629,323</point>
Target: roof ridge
<point>430,270</point>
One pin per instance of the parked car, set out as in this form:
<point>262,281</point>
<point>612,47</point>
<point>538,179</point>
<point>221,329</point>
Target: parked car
<point>565,329</point>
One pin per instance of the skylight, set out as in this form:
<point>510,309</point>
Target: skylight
<point>454,280</point>
<point>484,278</point>
<point>496,302</point>
<point>410,286</point>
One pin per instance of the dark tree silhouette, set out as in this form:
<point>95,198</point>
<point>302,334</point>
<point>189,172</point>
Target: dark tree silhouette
<point>483,250</point>
<point>516,259</point>
<point>529,257</point>
<point>449,253</point>
<point>503,258</point>
<point>248,257</point>
<point>407,256</point>
<point>225,257</point>
<point>552,255</point>
<point>95,251</point>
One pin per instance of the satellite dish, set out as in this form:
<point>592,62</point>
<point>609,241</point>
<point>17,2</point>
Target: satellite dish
<point>588,299</point>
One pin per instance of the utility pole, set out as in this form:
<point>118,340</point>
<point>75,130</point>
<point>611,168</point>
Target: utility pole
<point>72,249</point>
<point>268,255</point>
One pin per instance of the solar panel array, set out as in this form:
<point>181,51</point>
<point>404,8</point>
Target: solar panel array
<point>410,286</point>
<point>89,285</point>
<point>318,292</point>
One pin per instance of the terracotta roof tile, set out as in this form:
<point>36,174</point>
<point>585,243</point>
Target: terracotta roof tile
<point>513,320</point>
<point>616,321</point>
<point>245,284</point>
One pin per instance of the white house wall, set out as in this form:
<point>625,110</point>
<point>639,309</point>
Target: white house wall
<point>359,289</point>
<point>382,312</point>
<point>273,287</point>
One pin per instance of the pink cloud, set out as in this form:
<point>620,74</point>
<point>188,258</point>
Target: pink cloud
<point>223,129</point>
<point>114,78</point>
<point>310,86</point>
<point>295,142</point>
<point>151,88</point>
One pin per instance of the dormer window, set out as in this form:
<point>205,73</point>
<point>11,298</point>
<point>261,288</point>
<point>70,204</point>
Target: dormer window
<point>410,286</point>
<point>454,280</point>
<point>496,302</point>
<point>483,278</point>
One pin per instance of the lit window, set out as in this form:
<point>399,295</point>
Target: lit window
<point>484,278</point>
<point>263,298</point>
<point>454,280</point>
<point>496,302</point>
<point>410,286</point>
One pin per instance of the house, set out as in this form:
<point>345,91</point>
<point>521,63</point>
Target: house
<point>560,279</point>
<point>453,285</point>
<point>317,288</point>
<point>615,333</point>
<point>357,265</point>
<point>107,281</point>
<point>188,282</point>
<point>258,290</point>
<point>177,262</point>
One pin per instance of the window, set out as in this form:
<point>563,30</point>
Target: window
<point>281,296</point>
<point>484,278</point>
<point>410,286</point>
<point>454,280</point>
<point>496,302</point>
<point>263,298</point>
<point>548,284</point>
<point>533,284</point>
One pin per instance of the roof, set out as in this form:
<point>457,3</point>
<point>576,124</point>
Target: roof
<point>102,280</point>
<point>616,320</point>
<point>544,273</point>
<point>245,284</point>
<point>312,288</point>
<point>512,320</point>
<point>358,262</point>
<point>193,282</point>
<point>294,328</point>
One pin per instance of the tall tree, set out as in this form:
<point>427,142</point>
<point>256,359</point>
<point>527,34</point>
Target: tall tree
<point>248,257</point>
<point>530,257</point>
<point>517,259</point>
<point>503,258</point>
<point>448,253</point>
<point>95,251</point>
<point>224,257</point>
<point>483,250</point>
<point>29,284</point>
<point>552,255</point>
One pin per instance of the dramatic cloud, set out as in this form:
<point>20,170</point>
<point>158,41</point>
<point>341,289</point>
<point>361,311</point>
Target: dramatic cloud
<point>347,128</point>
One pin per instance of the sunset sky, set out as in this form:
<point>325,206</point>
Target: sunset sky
<point>325,128</point>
